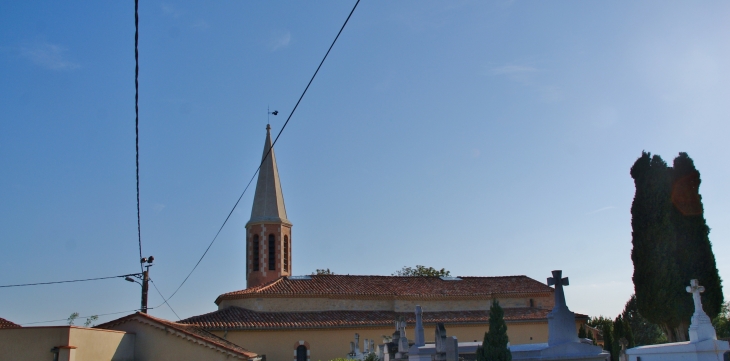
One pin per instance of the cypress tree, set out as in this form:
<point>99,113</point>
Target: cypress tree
<point>582,332</point>
<point>494,347</point>
<point>618,333</point>
<point>696,259</point>
<point>670,244</point>
<point>608,340</point>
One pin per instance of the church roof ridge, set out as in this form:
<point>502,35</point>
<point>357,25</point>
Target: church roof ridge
<point>234,317</point>
<point>268,202</point>
<point>391,287</point>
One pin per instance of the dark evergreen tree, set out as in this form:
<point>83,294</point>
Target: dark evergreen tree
<point>494,347</point>
<point>643,331</point>
<point>696,259</point>
<point>582,332</point>
<point>670,244</point>
<point>608,340</point>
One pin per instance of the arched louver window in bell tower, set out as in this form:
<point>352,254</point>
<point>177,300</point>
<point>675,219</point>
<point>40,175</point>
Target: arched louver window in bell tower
<point>286,253</point>
<point>255,252</point>
<point>272,252</point>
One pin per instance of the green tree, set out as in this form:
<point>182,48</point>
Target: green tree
<point>582,332</point>
<point>722,321</point>
<point>621,330</point>
<point>323,271</point>
<point>643,331</point>
<point>90,319</point>
<point>670,244</point>
<point>607,332</point>
<point>422,271</point>
<point>494,347</point>
<point>71,319</point>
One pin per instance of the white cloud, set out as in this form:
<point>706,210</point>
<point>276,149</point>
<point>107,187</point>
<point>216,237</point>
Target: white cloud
<point>49,56</point>
<point>279,40</point>
<point>600,210</point>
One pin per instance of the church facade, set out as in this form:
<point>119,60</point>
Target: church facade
<point>303,318</point>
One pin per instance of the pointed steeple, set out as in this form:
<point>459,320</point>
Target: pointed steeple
<point>268,202</point>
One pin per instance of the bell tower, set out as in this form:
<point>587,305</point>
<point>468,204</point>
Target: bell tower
<point>268,232</point>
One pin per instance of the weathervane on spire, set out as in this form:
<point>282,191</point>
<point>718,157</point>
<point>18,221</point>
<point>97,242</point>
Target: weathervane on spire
<point>268,112</point>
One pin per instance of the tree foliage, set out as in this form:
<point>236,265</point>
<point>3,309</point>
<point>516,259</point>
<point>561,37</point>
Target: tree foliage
<point>643,331</point>
<point>582,332</point>
<point>420,271</point>
<point>608,344</point>
<point>722,321</point>
<point>72,318</point>
<point>671,244</point>
<point>323,271</point>
<point>494,347</point>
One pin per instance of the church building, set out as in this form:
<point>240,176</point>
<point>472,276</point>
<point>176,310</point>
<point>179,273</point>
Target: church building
<point>303,318</point>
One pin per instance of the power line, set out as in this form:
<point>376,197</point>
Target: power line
<point>136,117</point>
<point>267,153</point>
<point>71,281</point>
<point>163,297</point>
<point>66,319</point>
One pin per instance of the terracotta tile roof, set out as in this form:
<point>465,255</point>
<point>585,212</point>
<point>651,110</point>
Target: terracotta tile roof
<point>391,287</point>
<point>7,324</point>
<point>187,329</point>
<point>240,318</point>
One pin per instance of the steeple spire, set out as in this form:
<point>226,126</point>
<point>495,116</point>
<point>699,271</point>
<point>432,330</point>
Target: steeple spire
<point>268,202</point>
<point>268,232</point>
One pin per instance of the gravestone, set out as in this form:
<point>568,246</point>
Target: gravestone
<point>447,348</point>
<point>563,342</point>
<point>702,345</point>
<point>417,352</point>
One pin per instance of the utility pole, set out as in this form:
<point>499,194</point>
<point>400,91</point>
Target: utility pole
<point>145,287</point>
<point>145,277</point>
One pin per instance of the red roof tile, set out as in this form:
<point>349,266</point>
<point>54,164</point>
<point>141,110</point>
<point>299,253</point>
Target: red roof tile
<point>391,287</point>
<point>240,318</point>
<point>7,324</point>
<point>191,330</point>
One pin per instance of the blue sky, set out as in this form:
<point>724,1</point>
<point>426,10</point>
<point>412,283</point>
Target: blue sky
<point>489,138</point>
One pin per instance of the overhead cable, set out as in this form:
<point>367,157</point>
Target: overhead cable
<point>267,153</point>
<point>71,281</point>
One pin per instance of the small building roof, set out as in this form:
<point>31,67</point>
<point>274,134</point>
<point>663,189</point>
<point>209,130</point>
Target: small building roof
<point>187,329</point>
<point>237,318</point>
<point>392,287</point>
<point>7,324</point>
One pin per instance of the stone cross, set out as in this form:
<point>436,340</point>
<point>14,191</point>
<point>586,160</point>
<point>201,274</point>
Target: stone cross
<point>695,289</point>
<point>420,337</point>
<point>559,282</point>
<point>357,343</point>
<point>701,327</point>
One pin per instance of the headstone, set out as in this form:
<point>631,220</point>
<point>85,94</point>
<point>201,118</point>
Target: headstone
<point>702,346</point>
<point>622,353</point>
<point>402,353</point>
<point>420,339</point>
<point>357,344</point>
<point>561,322</point>
<point>701,327</point>
<point>416,351</point>
<point>563,342</point>
<point>447,348</point>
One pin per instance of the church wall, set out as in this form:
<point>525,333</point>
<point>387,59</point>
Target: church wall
<point>335,304</point>
<point>327,344</point>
